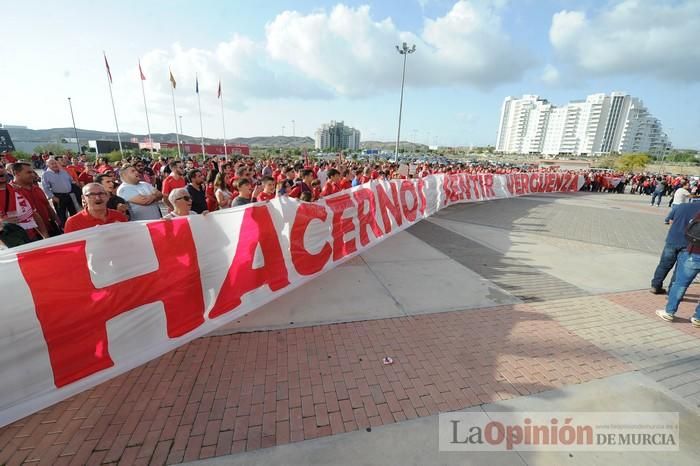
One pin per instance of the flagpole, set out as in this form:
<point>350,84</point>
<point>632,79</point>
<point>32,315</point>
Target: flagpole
<point>177,135</point>
<point>223,122</point>
<point>145,106</point>
<point>201,127</point>
<point>114,109</point>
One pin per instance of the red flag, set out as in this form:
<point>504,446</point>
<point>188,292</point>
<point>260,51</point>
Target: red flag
<point>143,77</point>
<point>109,73</point>
<point>218,94</point>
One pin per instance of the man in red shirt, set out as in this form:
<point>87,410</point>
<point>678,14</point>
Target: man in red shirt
<point>95,212</point>
<point>268,186</point>
<point>25,185</point>
<point>303,186</point>
<point>176,179</point>
<point>332,185</point>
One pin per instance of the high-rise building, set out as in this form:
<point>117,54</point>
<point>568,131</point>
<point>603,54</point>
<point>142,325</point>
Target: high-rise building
<point>598,125</point>
<point>337,136</point>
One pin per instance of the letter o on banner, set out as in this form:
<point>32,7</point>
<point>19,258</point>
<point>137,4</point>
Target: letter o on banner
<point>409,212</point>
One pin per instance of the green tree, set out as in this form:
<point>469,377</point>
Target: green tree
<point>632,162</point>
<point>21,155</point>
<point>51,147</point>
<point>685,157</point>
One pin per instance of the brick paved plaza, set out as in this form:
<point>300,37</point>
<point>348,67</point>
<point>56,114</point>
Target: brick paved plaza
<point>554,320</point>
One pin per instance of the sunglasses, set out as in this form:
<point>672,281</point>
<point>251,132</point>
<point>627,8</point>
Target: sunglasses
<point>187,198</point>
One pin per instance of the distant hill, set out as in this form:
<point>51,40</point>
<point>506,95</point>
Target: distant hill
<point>391,146</point>
<point>27,139</point>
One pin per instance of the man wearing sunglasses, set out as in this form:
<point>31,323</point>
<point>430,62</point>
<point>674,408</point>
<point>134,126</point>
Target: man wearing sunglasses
<point>95,212</point>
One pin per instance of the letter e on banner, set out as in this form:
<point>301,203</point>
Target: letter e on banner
<point>257,228</point>
<point>341,226</point>
<point>73,314</point>
<point>304,262</point>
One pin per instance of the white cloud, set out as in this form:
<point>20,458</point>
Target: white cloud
<point>550,75</point>
<point>354,54</point>
<point>642,37</point>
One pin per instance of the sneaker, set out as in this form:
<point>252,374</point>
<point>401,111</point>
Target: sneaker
<point>695,321</point>
<point>654,290</point>
<point>665,315</point>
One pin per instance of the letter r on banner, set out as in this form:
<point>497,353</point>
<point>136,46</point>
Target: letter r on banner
<point>73,313</point>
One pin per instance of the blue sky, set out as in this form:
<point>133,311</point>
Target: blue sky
<point>312,61</point>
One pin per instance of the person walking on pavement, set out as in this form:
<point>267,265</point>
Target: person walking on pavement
<point>687,269</point>
<point>676,243</point>
<point>659,191</point>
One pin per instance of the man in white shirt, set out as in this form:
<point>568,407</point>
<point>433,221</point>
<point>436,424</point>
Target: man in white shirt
<point>142,197</point>
<point>681,196</point>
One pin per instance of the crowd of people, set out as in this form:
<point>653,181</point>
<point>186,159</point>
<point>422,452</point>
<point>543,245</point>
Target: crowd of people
<point>75,193</point>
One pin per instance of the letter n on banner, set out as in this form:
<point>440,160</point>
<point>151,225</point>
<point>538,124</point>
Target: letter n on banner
<point>73,314</point>
<point>257,228</point>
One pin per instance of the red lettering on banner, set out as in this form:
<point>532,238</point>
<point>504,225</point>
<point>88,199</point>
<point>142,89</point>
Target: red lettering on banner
<point>467,186</point>
<point>518,184</point>
<point>463,187</point>
<point>542,183</point>
<point>534,183</point>
<point>421,195</point>
<point>257,228</point>
<point>550,183</point>
<point>510,184</point>
<point>409,212</point>
<point>559,183</point>
<point>386,204</point>
<point>475,185</point>
<point>446,187</point>
<point>73,314</point>
<point>454,187</point>
<point>525,183</point>
<point>342,226</point>
<point>366,218</point>
<point>304,262</point>
<point>488,186</point>
<point>574,183</point>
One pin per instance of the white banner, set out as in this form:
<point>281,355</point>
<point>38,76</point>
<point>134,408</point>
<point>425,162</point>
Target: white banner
<point>84,307</point>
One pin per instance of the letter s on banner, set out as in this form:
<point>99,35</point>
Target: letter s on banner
<point>73,313</point>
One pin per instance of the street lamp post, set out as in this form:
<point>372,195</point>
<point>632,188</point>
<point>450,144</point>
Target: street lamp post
<point>403,50</point>
<point>77,142</point>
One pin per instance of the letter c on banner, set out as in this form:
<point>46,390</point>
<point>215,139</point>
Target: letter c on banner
<point>304,262</point>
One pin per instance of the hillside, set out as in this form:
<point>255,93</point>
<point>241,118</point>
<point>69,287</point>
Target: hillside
<point>26,137</point>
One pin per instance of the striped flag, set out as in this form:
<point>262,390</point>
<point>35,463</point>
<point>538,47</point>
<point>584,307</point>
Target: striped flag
<point>109,73</point>
<point>172,80</point>
<point>196,84</point>
<point>143,76</point>
<point>218,94</point>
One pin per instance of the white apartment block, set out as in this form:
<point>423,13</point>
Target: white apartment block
<point>598,125</point>
<point>337,136</point>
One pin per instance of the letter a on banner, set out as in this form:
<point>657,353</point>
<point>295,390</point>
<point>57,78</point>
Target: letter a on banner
<point>257,228</point>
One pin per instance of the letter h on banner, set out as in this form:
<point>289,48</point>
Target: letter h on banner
<point>73,313</point>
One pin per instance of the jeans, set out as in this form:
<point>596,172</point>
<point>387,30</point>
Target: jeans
<point>669,255</point>
<point>673,208</point>
<point>686,270</point>
<point>657,195</point>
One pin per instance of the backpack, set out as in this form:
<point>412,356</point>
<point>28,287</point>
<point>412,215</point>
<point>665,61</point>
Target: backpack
<point>692,232</point>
